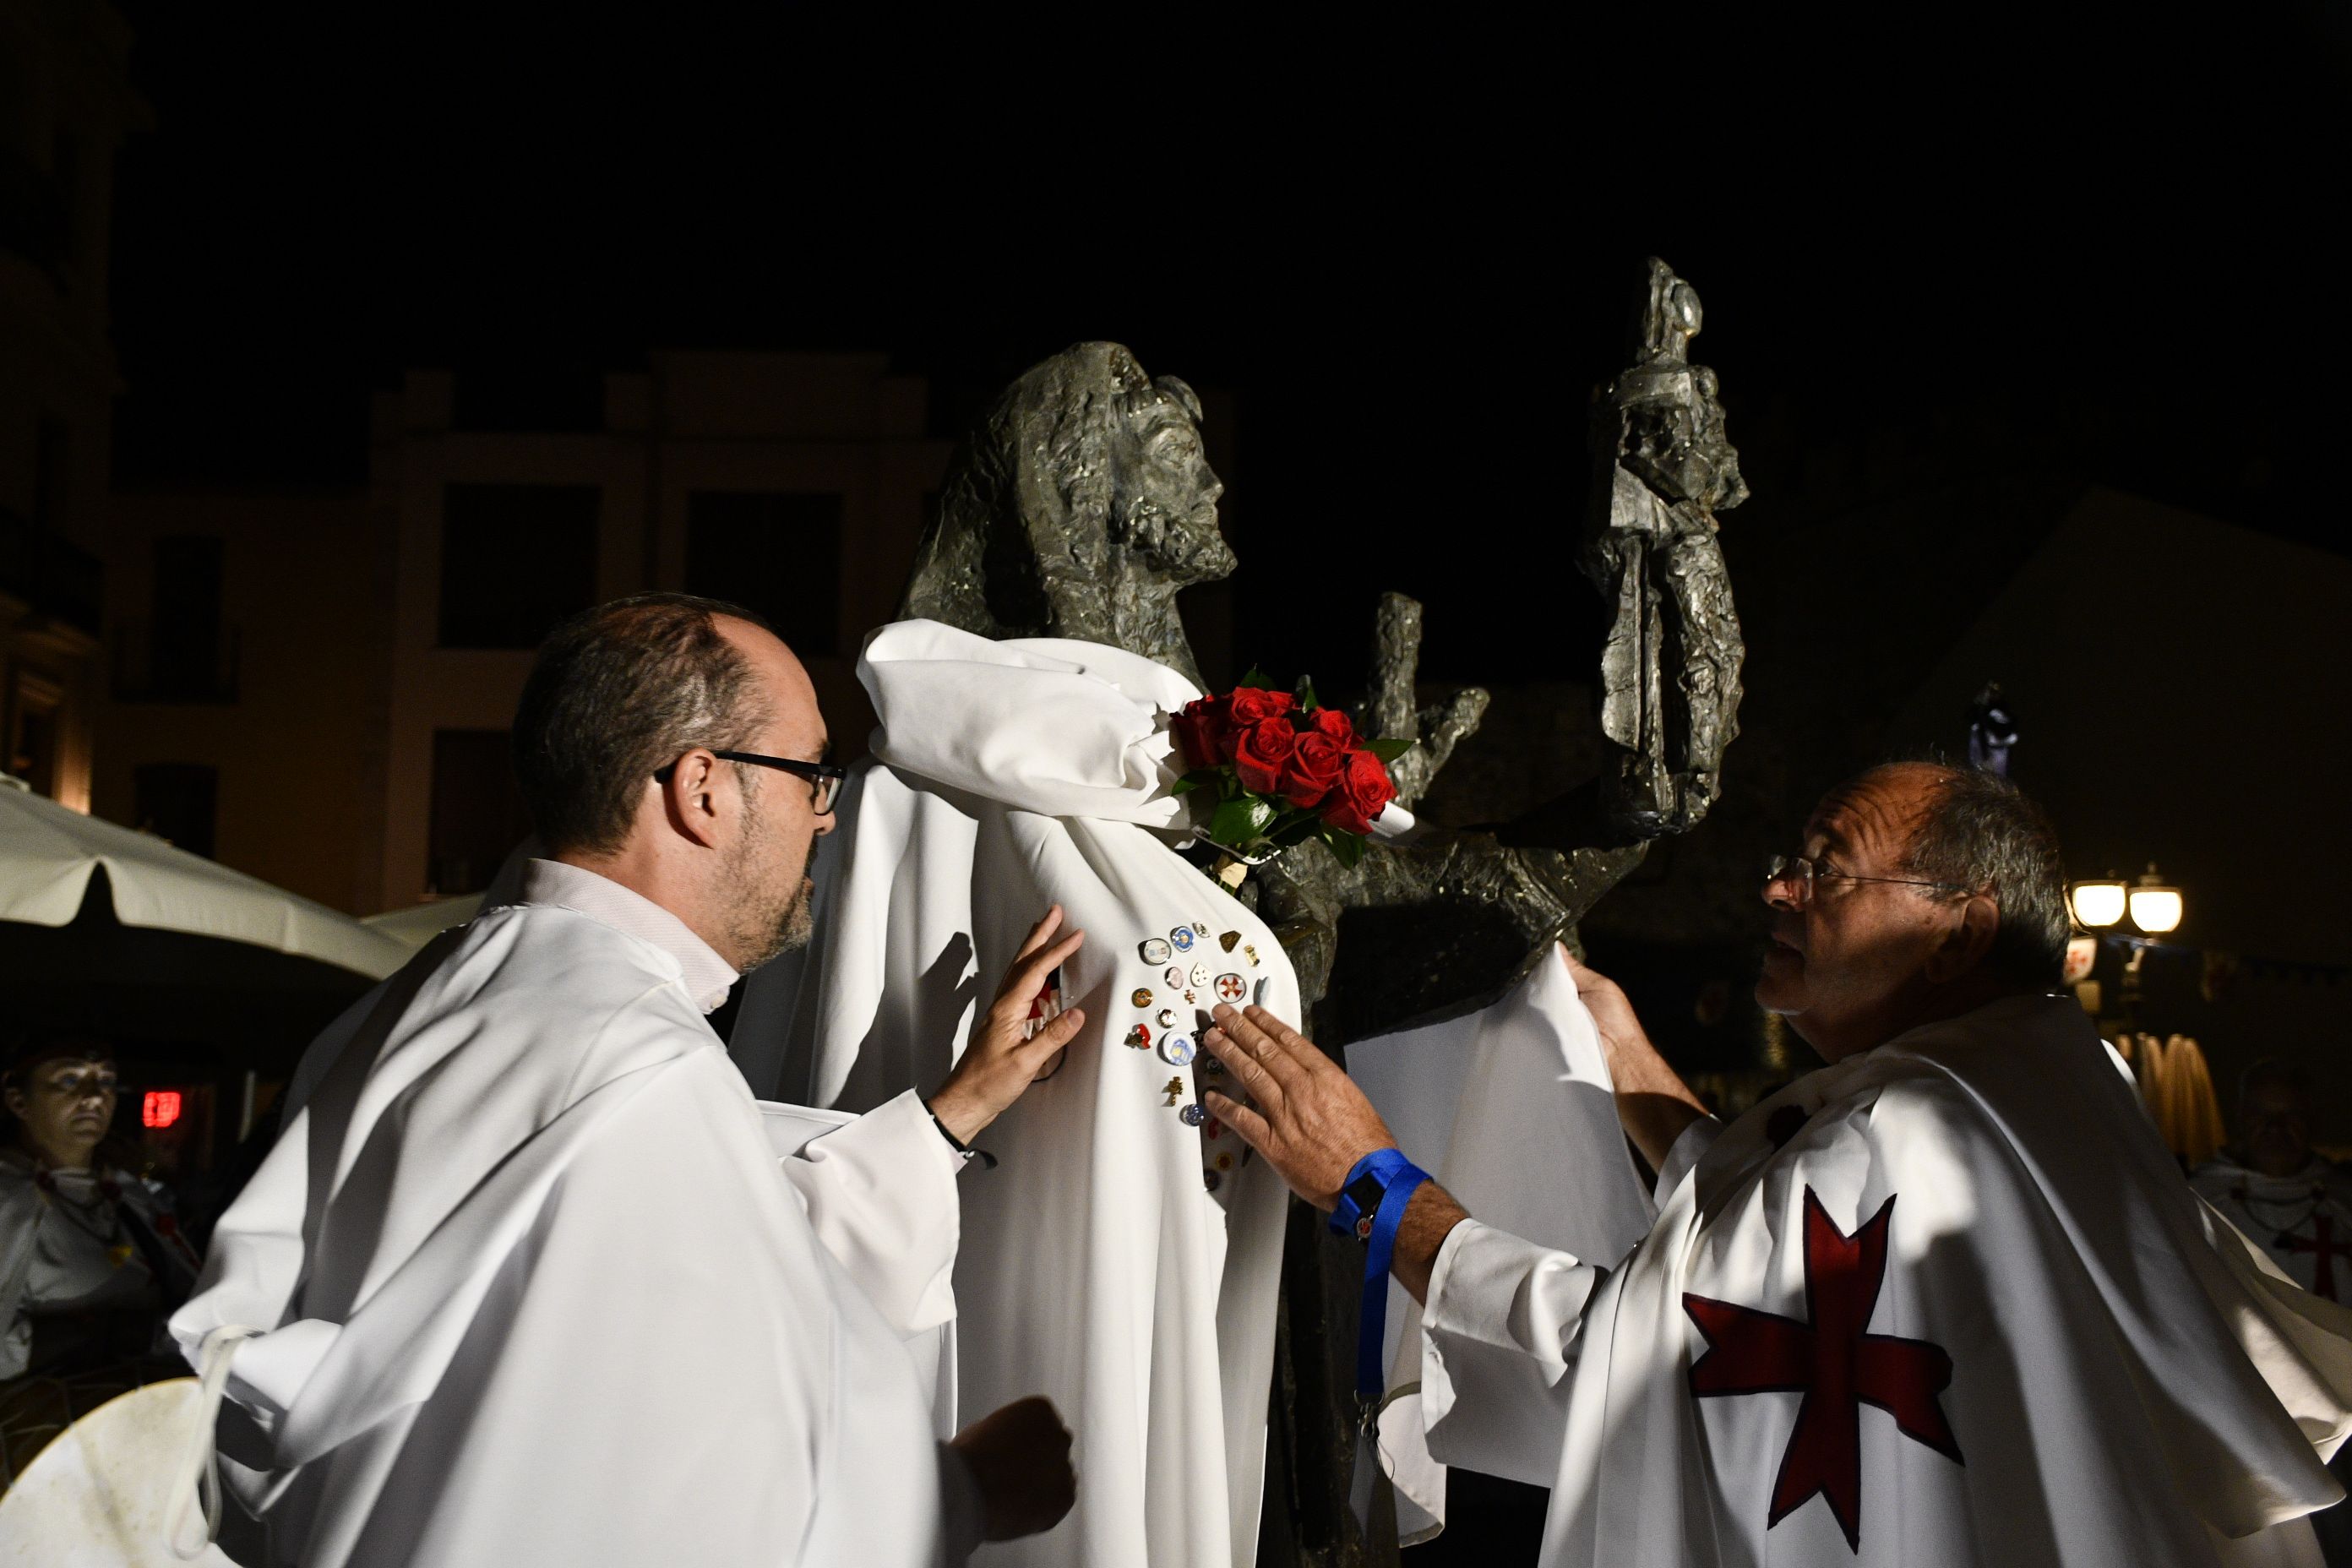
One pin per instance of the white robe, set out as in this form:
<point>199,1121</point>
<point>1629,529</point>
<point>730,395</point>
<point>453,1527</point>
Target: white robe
<point>1470,1098</point>
<point>2098,1370</point>
<point>2294,1219</point>
<point>537,1291</point>
<point>1097,1266</point>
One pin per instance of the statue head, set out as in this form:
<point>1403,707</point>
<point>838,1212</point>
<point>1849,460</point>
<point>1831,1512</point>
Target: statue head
<point>1077,508</point>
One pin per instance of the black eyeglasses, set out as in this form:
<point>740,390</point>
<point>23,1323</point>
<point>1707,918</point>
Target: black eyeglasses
<point>824,778</point>
<point>1802,872</point>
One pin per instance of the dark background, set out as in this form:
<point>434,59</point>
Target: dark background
<point>1406,256</point>
<point>1980,257</point>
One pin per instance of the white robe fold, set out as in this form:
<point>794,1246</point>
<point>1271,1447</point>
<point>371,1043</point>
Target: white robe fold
<point>1948,1302</point>
<point>1469,1097</point>
<point>1099,1266</point>
<point>536,1290</point>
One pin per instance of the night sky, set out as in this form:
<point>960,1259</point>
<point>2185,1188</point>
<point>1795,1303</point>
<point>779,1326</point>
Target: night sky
<point>1407,257</point>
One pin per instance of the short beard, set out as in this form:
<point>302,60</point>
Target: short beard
<point>768,928</point>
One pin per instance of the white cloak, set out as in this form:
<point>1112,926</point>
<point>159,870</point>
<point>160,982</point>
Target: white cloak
<point>1470,1099</point>
<point>1097,1266</point>
<point>2303,1222</point>
<point>537,1291</point>
<point>2065,1357</point>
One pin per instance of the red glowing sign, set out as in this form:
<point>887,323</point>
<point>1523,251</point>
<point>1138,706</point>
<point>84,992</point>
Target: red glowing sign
<point>161,1107</point>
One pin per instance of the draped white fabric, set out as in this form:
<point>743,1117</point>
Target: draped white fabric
<point>1512,1110</point>
<point>1980,1200</point>
<point>1097,1266</point>
<point>535,1291</point>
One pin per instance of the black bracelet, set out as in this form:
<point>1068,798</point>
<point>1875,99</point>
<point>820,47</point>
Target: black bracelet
<point>987,1160</point>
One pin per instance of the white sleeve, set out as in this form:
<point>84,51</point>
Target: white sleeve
<point>881,1196</point>
<point>1500,1334</point>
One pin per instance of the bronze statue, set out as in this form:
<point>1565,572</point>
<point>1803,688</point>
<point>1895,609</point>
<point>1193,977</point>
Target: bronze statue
<point>1077,509</point>
<point>1080,506</point>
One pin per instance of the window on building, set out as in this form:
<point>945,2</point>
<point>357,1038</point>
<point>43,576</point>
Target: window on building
<point>478,812</point>
<point>52,472</point>
<point>36,731</point>
<point>188,650</point>
<point>515,560</point>
<point>177,801</point>
<point>774,552</point>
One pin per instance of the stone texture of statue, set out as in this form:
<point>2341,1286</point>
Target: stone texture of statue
<point>1670,672</point>
<point>1079,507</point>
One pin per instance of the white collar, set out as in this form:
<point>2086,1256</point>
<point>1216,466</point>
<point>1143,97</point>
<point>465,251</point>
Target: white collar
<point>706,976</point>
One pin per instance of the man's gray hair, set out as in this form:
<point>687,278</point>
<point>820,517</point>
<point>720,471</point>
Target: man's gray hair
<point>1981,833</point>
<point>618,691</point>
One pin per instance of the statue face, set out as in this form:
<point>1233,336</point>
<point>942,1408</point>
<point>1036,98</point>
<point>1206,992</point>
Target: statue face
<point>1165,494</point>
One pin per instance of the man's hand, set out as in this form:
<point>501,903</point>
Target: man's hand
<point>1312,1123</point>
<point>1020,1458</point>
<point>999,1065</point>
<point>1653,1104</point>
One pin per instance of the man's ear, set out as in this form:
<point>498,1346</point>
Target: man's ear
<point>14,1098</point>
<point>1963,946</point>
<point>688,798</point>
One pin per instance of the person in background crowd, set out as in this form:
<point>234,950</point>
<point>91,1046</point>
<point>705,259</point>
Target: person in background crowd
<point>2296,1207</point>
<point>90,1254</point>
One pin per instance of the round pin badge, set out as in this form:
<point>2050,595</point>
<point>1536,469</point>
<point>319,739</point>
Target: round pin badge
<point>1191,1116</point>
<point>1168,1017</point>
<point>1230,988</point>
<point>1199,977</point>
<point>1213,1180</point>
<point>1181,939</point>
<point>1173,976</point>
<point>1154,950</point>
<point>1176,1049</point>
<point>1224,1162</point>
<point>1142,997</point>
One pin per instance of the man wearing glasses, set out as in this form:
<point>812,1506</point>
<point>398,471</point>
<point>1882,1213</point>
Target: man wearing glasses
<point>1944,1302</point>
<point>524,1281</point>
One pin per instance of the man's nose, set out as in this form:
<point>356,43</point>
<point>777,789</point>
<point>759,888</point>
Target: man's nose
<point>1779,894</point>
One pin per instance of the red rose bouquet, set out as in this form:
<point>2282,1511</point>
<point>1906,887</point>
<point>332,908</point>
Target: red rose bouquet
<point>1285,771</point>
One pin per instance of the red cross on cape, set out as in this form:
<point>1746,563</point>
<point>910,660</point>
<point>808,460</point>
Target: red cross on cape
<point>2323,1245</point>
<point>1834,1360</point>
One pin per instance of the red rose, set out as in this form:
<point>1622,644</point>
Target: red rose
<point>1260,751</point>
<point>1314,767</point>
<point>1204,730</point>
<point>1254,705</point>
<point>1331,722</point>
<point>1363,789</point>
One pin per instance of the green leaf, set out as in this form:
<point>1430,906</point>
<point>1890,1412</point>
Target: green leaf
<point>1185,786</point>
<point>1257,679</point>
<point>1389,751</point>
<point>1239,822</point>
<point>1346,847</point>
<point>1307,702</point>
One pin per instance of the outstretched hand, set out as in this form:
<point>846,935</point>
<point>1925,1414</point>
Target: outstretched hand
<point>999,1065</point>
<point>1310,1121</point>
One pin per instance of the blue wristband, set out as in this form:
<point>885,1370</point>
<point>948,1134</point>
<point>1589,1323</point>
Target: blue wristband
<point>1376,1227</point>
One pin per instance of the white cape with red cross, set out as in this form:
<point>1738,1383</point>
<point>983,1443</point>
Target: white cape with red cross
<point>1946,1303</point>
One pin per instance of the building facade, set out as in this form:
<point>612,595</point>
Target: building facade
<point>317,689</point>
<point>66,106</point>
